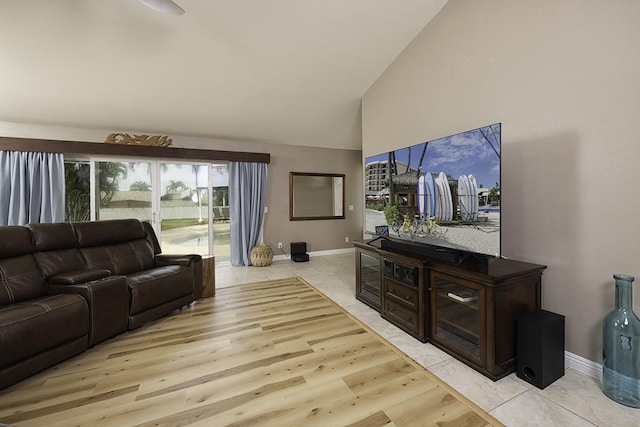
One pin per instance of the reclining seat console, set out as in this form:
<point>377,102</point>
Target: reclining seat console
<point>122,247</point>
<point>64,270</point>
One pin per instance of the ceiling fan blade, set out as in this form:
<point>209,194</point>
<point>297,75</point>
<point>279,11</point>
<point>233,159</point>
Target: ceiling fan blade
<point>164,6</point>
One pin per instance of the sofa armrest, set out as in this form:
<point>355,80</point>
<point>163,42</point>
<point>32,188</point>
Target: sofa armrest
<point>108,301</point>
<point>194,262</point>
<point>186,260</point>
<point>79,276</point>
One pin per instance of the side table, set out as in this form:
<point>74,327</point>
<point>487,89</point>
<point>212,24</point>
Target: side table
<point>208,276</point>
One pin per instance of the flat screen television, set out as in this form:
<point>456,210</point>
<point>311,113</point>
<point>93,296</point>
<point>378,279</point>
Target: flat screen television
<point>443,193</point>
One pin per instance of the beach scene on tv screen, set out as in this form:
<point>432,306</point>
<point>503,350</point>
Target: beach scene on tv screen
<point>444,192</point>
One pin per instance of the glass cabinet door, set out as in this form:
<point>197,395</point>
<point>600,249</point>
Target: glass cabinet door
<point>370,280</point>
<point>457,318</point>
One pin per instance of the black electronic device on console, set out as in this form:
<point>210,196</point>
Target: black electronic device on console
<point>439,253</point>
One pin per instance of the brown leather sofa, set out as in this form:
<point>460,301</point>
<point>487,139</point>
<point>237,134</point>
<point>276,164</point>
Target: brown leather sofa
<point>65,287</point>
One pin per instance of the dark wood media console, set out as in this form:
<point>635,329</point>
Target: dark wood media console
<point>468,309</point>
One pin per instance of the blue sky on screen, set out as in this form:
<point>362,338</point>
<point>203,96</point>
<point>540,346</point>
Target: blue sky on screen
<point>461,154</point>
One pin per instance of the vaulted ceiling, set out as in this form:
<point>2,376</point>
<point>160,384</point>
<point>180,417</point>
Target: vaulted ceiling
<point>281,71</point>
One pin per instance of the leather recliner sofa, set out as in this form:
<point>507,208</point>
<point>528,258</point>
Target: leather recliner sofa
<point>65,287</point>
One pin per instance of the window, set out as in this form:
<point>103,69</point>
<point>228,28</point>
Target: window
<point>187,203</point>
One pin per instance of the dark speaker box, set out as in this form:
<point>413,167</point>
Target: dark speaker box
<point>298,248</point>
<point>540,347</point>
<point>299,252</point>
<point>300,257</point>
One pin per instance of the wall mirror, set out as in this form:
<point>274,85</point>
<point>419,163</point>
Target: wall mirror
<point>316,196</point>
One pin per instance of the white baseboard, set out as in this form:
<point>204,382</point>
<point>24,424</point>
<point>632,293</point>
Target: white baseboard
<point>583,366</point>
<point>311,254</point>
<point>332,252</point>
<point>318,253</point>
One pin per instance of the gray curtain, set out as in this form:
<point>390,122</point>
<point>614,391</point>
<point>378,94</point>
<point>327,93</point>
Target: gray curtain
<point>247,194</point>
<point>31,187</point>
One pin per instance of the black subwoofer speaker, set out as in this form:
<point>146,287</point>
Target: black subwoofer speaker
<point>540,347</point>
<point>298,247</point>
<point>299,252</point>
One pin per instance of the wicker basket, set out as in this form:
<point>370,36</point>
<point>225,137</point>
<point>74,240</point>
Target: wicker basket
<point>261,255</point>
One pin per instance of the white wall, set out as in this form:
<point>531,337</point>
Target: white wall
<point>563,77</point>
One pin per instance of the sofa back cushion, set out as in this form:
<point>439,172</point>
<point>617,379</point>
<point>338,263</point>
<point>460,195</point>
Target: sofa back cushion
<point>119,245</point>
<point>20,277</point>
<point>15,241</point>
<point>56,249</point>
<point>152,238</point>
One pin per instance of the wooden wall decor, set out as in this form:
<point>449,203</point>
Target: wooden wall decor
<point>128,150</point>
<point>125,138</point>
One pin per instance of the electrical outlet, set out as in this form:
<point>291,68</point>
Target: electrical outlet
<point>279,245</point>
<point>346,239</point>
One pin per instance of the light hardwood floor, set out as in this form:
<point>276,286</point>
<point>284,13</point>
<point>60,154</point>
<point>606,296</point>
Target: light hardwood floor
<point>575,400</point>
<point>271,354</point>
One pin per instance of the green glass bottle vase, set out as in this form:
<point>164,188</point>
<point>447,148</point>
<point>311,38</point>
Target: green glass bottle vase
<point>621,347</point>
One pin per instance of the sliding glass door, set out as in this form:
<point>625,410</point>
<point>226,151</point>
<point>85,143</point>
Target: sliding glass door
<point>220,212</point>
<point>77,191</point>
<point>123,190</point>
<point>187,203</point>
<point>184,212</point>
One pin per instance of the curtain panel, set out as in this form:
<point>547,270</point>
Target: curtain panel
<point>247,196</point>
<point>31,187</point>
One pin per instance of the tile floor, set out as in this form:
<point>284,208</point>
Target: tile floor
<point>573,400</point>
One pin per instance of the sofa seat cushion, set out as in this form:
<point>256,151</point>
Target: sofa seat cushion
<point>29,328</point>
<point>157,286</point>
